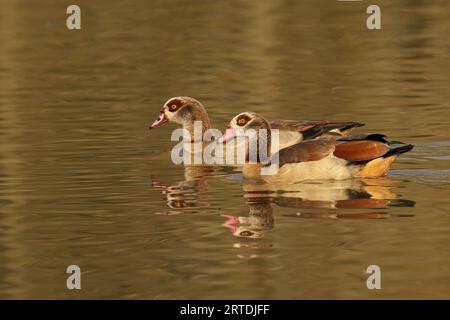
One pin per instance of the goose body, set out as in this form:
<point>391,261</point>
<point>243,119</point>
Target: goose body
<point>327,157</point>
<point>327,168</point>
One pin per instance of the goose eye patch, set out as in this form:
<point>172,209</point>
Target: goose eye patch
<point>242,120</point>
<point>174,105</point>
<point>246,233</point>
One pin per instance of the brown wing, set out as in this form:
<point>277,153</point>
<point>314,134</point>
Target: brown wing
<point>292,125</point>
<point>308,131</point>
<point>311,150</point>
<point>302,126</point>
<point>360,150</point>
<point>366,147</point>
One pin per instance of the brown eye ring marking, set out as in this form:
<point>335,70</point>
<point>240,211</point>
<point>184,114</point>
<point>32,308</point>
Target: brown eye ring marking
<point>246,233</point>
<point>242,120</point>
<point>174,105</point>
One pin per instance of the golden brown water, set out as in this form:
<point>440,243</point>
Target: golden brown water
<point>82,180</point>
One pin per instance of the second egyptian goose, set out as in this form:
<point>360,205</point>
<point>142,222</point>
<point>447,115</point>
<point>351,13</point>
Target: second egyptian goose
<point>329,157</point>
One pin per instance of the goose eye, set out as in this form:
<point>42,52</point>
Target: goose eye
<point>246,233</point>
<point>241,121</point>
<point>173,107</point>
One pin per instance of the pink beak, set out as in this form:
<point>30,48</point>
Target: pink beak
<point>159,122</point>
<point>231,222</point>
<point>228,135</point>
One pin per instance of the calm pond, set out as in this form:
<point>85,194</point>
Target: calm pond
<point>83,181</point>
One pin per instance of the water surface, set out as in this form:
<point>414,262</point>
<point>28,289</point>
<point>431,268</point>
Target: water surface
<point>83,181</point>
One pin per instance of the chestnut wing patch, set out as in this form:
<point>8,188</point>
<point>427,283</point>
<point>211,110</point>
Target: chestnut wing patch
<point>360,150</point>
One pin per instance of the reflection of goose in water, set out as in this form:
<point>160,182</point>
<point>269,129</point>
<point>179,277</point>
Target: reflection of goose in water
<point>188,193</point>
<point>327,199</point>
<point>344,194</point>
<point>260,219</point>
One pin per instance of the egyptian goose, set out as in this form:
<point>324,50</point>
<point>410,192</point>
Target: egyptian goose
<point>186,110</point>
<point>329,157</point>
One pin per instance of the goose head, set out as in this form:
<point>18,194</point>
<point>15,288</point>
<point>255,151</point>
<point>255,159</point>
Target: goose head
<point>244,122</point>
<point>184,111</point>
<point>253,126</point>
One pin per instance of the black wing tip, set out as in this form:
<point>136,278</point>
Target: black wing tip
<point>402,203</point>
<point>399,150</point>
<point>357,124</point>
<point>312,132</point>
<point>366,136</point>
<point>350,125</point>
